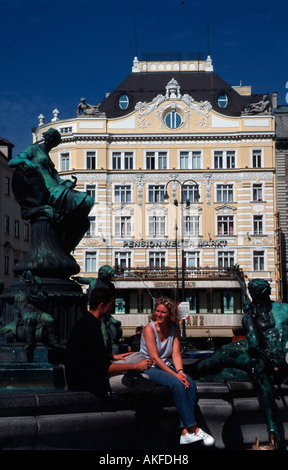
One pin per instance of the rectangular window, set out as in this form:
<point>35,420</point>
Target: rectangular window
<point>191,225</point>
<point>91,232</point>
<point>91,190</point>
<point>190,160</point>
<point>156,193</point>
<point>225,259</point>
<point>156,226</point>
<point>122,226</point>
<point>122,260</point>
<point>123,160</point>
<point>257,224</point>
<point>156,160</point>
<point>258,260</point>
<point>91,160</point>
<point>190,193</point>
<point>6,265</point>
<point>225,224</point>
<point>157,259</point>
<point>257,192</point>
<point>257,158</point>
<point>66,130</point>
<point>91,262</point>
<point>122,193</point>
<point>64,161</point>
<point>224,159</point>
<point>7,186</point>
<point>26,232</point>
<point>7,224</point>
<point>192,259</point>
<point>16,229</point>
<point>224,193</point>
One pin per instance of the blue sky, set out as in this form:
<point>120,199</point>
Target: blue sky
<point>53,52</point>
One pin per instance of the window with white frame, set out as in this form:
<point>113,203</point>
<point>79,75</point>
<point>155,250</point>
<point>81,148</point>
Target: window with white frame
<point>190,225</point>
<point>156,225</point>
<point>192,259</point>
<point>91,232</point>
<point>122,193</point>
<point>157,259</point>
<point>225,224</point>
<point>90,261</point>
<point>122,226</point>
<point>257,158</point>
<point>258,260</point>
<point>64,161</point>
<point>122,259</point>
<point>190,160</point>
<point>190,192</point>
<point>224,159</point>
<point>91,191</point>
<point>123,160</point>
<point>225,259</point>
<point>257,192</point>
<point>224,193</point>
<point>91,160</point>
<point>257,224</point>
<point>156,193</point>
<point>156,160</point>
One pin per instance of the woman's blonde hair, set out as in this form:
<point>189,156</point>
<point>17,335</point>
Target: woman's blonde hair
<point>171,307</point>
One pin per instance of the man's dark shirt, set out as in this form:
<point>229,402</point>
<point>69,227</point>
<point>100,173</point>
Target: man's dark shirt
<point>87,361</point>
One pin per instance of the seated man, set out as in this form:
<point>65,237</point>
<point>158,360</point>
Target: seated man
<point>88,364</point>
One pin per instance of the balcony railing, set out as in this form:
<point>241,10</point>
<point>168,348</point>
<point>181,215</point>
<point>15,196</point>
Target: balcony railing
<point>203,272</point>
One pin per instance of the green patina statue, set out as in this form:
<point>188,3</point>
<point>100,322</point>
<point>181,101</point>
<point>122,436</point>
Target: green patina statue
<point>58,213</point>
<point>111,328</point>
<point>261,357</point>
<point>31,321</point>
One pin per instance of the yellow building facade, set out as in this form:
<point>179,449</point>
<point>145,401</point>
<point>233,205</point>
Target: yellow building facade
<point>182,170</point>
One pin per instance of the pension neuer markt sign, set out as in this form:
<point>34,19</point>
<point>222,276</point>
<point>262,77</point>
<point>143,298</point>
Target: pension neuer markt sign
<point>173,243</point>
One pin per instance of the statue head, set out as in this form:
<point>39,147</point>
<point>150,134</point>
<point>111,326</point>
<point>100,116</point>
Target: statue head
<point>52,137</point>
<point>259,289</point>
<point>106,273</point>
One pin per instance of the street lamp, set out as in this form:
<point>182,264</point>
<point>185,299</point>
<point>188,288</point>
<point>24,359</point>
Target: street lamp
<point>187,202</point>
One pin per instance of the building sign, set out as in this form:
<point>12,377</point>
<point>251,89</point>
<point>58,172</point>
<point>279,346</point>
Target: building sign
<point>173,243</point>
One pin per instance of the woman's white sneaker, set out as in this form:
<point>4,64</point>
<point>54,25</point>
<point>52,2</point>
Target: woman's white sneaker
<point>189,438</point>
<point>206,438</point>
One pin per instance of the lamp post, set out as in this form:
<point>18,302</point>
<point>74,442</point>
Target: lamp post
<point>187,202</point>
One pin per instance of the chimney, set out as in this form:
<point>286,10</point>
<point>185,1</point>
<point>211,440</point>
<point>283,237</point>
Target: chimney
<point>274,99</point>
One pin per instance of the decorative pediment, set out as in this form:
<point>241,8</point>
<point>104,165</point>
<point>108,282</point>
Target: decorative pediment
<point>225,209</point>
<point>172,93</point>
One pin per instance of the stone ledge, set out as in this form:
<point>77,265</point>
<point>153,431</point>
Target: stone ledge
<point>63,419</point>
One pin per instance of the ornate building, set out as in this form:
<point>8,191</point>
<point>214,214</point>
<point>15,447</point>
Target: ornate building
<point>182,170</point>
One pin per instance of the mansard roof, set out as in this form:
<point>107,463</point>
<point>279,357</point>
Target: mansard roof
<point>200,85</point>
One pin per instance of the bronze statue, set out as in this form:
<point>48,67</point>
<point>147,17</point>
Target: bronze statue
<point>31,322</point>
<point>261,356</point>
<point>57,212</point>
<point>111,328</point>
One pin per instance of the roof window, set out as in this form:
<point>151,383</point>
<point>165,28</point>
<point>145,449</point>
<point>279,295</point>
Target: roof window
<point>123,101</point>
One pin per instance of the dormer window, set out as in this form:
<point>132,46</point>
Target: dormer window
<point>222,100</point>
<point>123,102</point>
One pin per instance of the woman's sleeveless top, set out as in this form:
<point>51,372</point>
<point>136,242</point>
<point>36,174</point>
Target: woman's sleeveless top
<point>164,347</point>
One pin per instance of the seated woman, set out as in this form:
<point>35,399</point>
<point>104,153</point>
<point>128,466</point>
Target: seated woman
<point>160,341</point>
